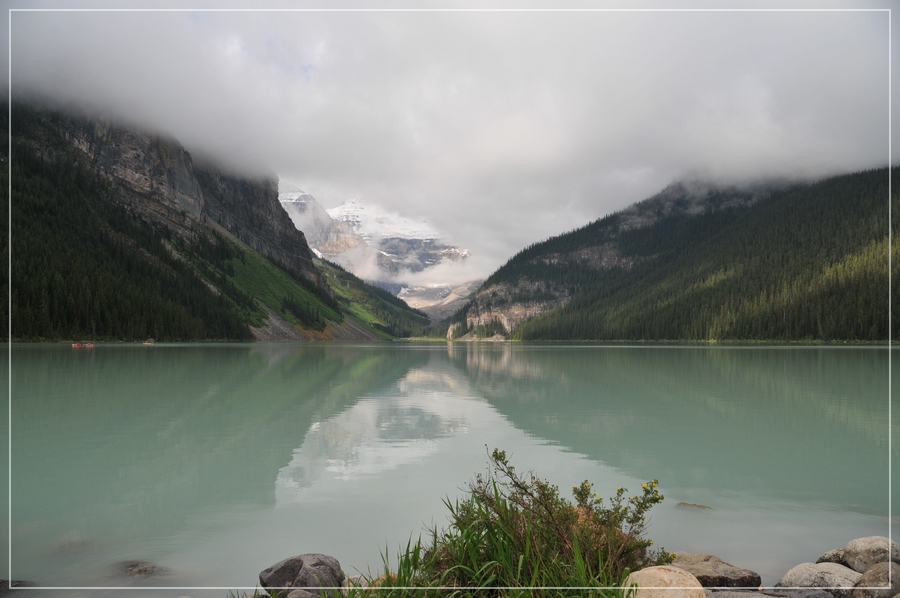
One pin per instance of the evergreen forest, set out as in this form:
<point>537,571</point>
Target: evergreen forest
<point>807,263</point>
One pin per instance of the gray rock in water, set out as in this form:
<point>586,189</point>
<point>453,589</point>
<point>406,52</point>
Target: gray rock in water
<point>874,582</point>
<point>833,556</point>
<point>839,579</point>
<point>860,554</point>
<point>305,572</point>
<point>713,572</point>
<point>139,568</point>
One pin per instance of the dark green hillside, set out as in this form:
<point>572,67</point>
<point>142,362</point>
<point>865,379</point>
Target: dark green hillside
<point>248,278</point>
<point>807,263</point>
<point>83,268</point>
<point>374,306</point>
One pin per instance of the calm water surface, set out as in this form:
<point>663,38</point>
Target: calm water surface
<point>215,461</point>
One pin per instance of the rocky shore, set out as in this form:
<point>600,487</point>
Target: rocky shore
<point>864,568</point>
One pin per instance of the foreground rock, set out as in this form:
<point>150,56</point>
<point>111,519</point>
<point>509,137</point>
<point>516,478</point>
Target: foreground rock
<point>303,576</point>
<point>882,580</point>
<point>769,593</point>
<point>862,553</point>
<point>713,572</point>
<point>838,579</point>
<point>665,581</point>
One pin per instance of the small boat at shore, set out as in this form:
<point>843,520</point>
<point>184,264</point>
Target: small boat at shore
<point>84,345</point>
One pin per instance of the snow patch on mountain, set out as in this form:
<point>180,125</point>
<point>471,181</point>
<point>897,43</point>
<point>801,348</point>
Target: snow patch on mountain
<point>372,222</point>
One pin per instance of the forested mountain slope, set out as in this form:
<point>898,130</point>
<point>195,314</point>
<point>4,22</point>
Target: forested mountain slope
<point>118,235</point>
<point>770,262</point>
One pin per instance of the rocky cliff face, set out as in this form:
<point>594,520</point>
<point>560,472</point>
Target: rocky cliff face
<point>159,181</point>
<point>249,209</point>
<point>154,174</point>
<point>511,303</point>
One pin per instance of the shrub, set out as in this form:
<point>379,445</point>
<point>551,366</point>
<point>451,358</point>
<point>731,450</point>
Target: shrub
<point>514,535</point>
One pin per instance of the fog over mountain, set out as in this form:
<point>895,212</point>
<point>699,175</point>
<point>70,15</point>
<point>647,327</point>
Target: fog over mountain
<point>501,128</point>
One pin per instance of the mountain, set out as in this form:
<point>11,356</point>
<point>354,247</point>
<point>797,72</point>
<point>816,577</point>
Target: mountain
<point>374,243</point>
<point>119,234</point>
<point>402,243</point>
<point>327,237</point>
<point>703,261</point>
<point>439,302</point>
<point>380,246</point>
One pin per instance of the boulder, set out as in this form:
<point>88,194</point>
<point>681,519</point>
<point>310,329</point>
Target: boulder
<point>308,573</point>
<point>838,579</point>
<point>713,572</point>
<point>833,556</point>
<point>665,581</point>
<point>768,593</point>
<point>875,582</point>
<point>860,554</point>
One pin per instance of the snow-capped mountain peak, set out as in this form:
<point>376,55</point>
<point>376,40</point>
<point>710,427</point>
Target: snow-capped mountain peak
<point>371,221</point>
<point>290,193</point>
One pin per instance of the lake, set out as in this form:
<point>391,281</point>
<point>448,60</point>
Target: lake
<point>214,461</point>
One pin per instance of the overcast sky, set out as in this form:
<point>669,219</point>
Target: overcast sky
<point>501,128</point>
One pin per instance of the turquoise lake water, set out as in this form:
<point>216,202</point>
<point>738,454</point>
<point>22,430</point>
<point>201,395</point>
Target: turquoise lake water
<point>215,461</point>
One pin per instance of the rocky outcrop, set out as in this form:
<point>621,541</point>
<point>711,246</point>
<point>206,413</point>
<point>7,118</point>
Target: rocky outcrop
<point>665,581</point>
<point>600,257</point>
<point>713,572</point>
<point>512,304</point>
<point>303,576</point>
<point>155,175</point>
<point>159,181</point>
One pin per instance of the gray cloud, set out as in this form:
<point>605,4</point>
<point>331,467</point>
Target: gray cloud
<point>502,128</point>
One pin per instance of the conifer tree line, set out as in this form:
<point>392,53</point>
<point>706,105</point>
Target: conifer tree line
<point>808,263</point>
<point>83,268</point>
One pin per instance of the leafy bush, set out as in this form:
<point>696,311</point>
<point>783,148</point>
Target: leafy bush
<point>514,535</point>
